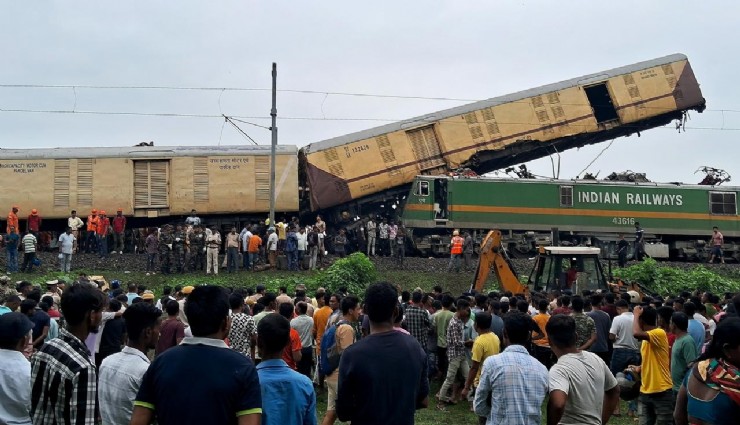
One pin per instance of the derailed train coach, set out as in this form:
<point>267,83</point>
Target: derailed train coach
<point>355,173</point>
<point>148,182</point>
<point>677,219</point>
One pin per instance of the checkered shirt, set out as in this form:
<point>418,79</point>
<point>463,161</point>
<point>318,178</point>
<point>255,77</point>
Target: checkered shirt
<point>512,387</point>
<point>64,383</point>
<point>418,324</point>
<point>455,342</point>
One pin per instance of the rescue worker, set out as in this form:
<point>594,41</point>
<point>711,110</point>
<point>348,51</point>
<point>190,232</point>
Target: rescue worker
<point>197,242</point>
<point>178,248</point>
<point>101,234</point>
<point>33,224</point>
<point>12,219</point>
<point>456,251</point>
<point>75,224</point>
<point>213,243</point>
<point>91,242</point>
<point>165,248</point>
<point>119,231</point>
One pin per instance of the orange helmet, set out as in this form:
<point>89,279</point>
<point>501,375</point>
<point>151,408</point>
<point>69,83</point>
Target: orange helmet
<point>102,212</point>
<point>120,210</point>
<point>34,211</point>
<point>94,211</point>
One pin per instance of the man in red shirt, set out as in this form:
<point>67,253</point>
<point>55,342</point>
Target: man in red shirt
<point>101,234</point>
<point>34,222</point>
<point>119,227</point>
<point>292,353</point>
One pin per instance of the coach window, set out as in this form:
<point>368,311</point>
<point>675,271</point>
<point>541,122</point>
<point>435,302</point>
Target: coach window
<point>566,196</point>
<point>422,189</point>
<point>722,203</point>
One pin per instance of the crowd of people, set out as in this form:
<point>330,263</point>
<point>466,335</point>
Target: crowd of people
<point>93,353</point>
<point>192,246</point>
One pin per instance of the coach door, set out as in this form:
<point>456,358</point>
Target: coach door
<point>152,186</point>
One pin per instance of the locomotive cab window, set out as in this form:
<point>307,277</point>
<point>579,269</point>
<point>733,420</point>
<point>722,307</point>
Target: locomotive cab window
<point>422,189</point>
<point>722,203</point>
<point>566,196</point>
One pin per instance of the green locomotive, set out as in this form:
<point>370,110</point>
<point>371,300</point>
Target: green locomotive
<point>677,219</point>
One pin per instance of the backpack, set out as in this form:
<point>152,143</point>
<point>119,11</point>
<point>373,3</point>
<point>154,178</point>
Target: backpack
<point>329,356</point>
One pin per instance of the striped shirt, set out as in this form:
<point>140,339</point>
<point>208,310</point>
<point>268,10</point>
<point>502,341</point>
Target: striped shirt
<point>512,387</point>
<point>120,379</point>
<point>29,243</point>
<point>64,383</point>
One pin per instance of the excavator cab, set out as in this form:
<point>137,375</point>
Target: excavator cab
<point>566,268</point>
<point>573,269</point>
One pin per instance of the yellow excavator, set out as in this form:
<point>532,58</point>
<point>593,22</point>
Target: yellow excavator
<point>574,269</point>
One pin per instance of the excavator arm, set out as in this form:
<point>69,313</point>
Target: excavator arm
<point>493,257</point>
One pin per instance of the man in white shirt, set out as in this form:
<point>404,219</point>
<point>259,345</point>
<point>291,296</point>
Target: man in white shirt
<point>244,237</point>
<point>272,246</point>
<point>75,223</point>
<point>626,348</point>
<point>121,373</point>
<point>66,247</point>
<point>15,370</point>
<point>302,246</point>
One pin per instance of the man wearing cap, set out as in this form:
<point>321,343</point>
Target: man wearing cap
<point>205,399</point>
<point>75,223</point>
<point>119,231</point>
<point>63,377</point>
<point>66,247</point>
<point>101,234</point>
<point>12,219</point>
<point>184,293</point>
<point>11,249</point>
<point>92,226</point>
<point>34,222</point>
<point>456,251</point>
<point>213,243</point>
<point>15,370</point>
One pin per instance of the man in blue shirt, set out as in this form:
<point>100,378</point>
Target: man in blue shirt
<point>288,397</point>
<point>696,328</point>
<point>11,248</point>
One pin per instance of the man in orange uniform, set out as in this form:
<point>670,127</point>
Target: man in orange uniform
<point>92,227</point>
<point>13,219</point>
<point>253,249</point>
<point>101,234</point>
<point>456,251</point>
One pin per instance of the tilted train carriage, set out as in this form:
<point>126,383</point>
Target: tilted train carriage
<point>352,172</point>
<point>583,211</point>
<point>148,181</point>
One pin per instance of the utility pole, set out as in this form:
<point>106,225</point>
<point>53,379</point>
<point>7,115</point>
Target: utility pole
<point>273,147</point>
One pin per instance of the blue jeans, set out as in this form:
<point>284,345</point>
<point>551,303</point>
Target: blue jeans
<point>102,246</point>
<point>231,259</point>
<point>622,358</point>
<point>292,260</point>
<point>246,261</point>
<point>11,259</point>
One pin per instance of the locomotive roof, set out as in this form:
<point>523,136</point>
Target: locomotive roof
<point>143,152</point>
<point>464,109</point>
<point>566,182</point>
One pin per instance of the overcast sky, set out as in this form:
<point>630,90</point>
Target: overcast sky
<point>442,49</point>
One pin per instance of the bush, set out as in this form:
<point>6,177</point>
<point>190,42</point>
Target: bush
<point>355,272</point>
<point>672,280</point>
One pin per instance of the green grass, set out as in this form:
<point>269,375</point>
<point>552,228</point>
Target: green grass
<point>455,283</point>
<point>459,414</point>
